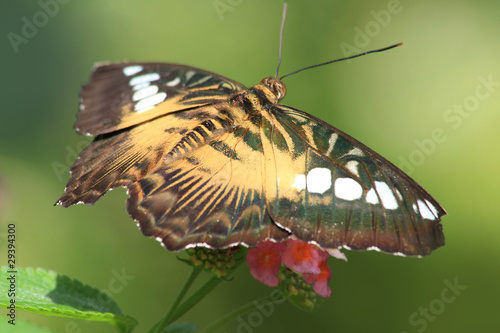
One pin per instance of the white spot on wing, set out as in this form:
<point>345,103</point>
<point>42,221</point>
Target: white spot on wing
<point>425,211</point>
<point>173,82</point>
<point>299,182</point>
<point>131,70</point>
<point>371,196</point>
<point>386,195</point>
<point>145,92</point>
<point>331,143</point>
<point>319,180</point>
<point>144,78</point>
<point>398,194</point>
<point>433,209</point>
<point>347,189</point>
<point>353,167</point>
<point>140,86</point>
<point>356,152</point>
<point>189,75</point>
<point>149,102</point>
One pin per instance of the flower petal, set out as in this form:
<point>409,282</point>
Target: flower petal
<point>265,261</point>
<point>337,254</point>
<point>302,256</point>
<point>320,280</point>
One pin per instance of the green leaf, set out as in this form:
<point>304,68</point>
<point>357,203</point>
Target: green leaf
<point>46,292</point>
<point>180,328</point>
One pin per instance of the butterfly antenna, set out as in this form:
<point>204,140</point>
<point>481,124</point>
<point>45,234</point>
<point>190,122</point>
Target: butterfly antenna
<point>285,5</point>
<point>346,58</point>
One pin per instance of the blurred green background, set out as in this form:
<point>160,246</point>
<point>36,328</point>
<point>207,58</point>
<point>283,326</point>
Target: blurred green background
<point>393,102</point>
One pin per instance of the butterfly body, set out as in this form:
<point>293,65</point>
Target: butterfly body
<point>208,162</point>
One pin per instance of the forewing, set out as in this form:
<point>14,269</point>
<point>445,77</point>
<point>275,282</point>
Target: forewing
<point>336,192</point>
<point>122,95</point>
<point>124,157</point>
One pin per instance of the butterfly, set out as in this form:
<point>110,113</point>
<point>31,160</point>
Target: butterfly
<point>209,162</point>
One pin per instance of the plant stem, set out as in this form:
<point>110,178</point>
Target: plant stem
<point>233,314</point>
<point>167,319</point>
<point>196,297</point>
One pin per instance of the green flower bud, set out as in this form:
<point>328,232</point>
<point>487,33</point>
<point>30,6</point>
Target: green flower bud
<point>220,262</point>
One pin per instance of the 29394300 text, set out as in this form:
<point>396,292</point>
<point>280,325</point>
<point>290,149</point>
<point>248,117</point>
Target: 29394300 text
<point>11,263</point>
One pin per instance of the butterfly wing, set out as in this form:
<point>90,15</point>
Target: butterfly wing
<point>190,179</point>
<point>206,166</point>
<point>213,195</point>
<point>335,191</point>
<point>121,95</point>
<point>119,98</point>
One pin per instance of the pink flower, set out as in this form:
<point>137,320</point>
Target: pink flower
<point>302,257</point>
<point>337,254</point>
<point>320,280</point>
<point>265,261</point>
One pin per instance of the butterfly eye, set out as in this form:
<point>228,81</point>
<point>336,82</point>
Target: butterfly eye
<point>277,87</point>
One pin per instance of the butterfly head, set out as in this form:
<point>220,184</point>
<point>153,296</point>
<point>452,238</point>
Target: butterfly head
<point>276,86</point>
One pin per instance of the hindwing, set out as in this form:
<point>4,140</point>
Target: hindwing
<point>213,195</point>
<point>335,191</point>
